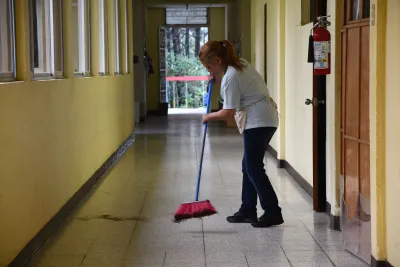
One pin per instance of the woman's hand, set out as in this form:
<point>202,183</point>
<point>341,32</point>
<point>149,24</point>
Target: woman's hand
<point>223,114</point>
<point>217,78</point>
<point>205,118</point>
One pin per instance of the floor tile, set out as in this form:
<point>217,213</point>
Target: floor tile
<point>350,264</point>
<point>127,264</point>
<point>103,260</point>
<point>226,257</point>
<point>151,258</point>
<point>226,264</point>
<point>345,257</point>
<point>306,256</point>
<point>62,260</point>
<point>190,258</point>
<point>300,246</point>
<point>261,257</point>
<point>269,263</point>
<point>127,220</point>
<point>311,264</point>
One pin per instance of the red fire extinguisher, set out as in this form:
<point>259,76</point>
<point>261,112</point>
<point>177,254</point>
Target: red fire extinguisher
<point>319,47</point>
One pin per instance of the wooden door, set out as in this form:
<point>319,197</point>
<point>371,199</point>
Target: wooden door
<point>355,142</point>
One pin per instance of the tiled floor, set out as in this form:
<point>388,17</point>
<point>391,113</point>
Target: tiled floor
<point>127,220</point>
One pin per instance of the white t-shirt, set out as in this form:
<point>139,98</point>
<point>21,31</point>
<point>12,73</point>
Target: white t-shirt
<point>240,89</point>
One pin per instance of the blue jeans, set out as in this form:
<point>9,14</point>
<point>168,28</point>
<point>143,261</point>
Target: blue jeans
<point>255,179</point>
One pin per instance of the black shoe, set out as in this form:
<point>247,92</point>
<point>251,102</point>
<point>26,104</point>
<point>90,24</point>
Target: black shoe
<point>239,217</point>
<point>268,221</point>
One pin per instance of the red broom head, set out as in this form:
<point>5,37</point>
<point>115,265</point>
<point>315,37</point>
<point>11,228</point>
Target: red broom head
<point>196,209</point>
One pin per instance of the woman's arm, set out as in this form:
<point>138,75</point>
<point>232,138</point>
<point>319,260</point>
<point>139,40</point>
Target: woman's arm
<point>231,102</point>
<point>223,114</point>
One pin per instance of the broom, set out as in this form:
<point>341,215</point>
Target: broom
<point>197,209</point>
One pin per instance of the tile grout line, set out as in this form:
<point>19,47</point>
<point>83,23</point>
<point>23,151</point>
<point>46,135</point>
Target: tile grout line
<point>245,257</point>
<point>318,244</point>
<point>220,172</point>
<point>84,257</point>
<point>134,228</point>
<point>165,259</point>
<point>204,243</point>
<point>90,247</point>
<point>284,252</point>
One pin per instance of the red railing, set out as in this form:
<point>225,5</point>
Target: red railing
<point>185,79</point>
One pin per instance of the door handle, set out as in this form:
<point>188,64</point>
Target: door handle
<point>314,102</point>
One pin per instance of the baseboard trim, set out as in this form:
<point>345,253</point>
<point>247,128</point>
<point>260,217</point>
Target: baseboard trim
<point>273,152</point>
<point>41,237</point>
<point>283,164</point>
<point>376,263</point>
<point>280,163</point>
<point>334,220</point>
<point>299,179</point>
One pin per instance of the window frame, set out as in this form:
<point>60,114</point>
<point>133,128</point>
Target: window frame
<point>60,73</point>
<point>348,9</point>
<point>105,53</point>
<point>117,38</point>
<point>10,76</point>
<point>206,24</point>
<point>87,52</point>
<point>48,7</point>
<point>126,38</point>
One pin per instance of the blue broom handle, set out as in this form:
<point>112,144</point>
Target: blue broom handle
<point>204,140</point>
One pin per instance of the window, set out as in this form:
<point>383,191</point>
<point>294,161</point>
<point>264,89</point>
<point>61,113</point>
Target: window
<point>356,11</point>
<point>46,38</point>
<point>7,55</point>
<point>126,39</point>
<point>103,37</point>
<point>81,36</point>
<point>117,49</point>
<point>186,15</point>
<point>360,9</point>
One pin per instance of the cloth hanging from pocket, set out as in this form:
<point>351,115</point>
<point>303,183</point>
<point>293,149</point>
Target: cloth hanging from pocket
<point>241,115</point>
<point>241,118</point>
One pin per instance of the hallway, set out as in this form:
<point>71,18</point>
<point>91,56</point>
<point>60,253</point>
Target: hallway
<point>127,219</point>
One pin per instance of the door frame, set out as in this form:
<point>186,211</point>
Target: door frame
<point>319,8</point>
<point>181,26</point>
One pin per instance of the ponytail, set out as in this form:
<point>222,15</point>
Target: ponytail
<point>224,50</point>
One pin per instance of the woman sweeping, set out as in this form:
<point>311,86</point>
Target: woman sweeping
<point>246,97</point>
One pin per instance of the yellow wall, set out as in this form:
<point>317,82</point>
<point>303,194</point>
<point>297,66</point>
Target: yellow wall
<point>155,19</point>
<point>289,77</point>
<point>216,32</point>
<point>244,17</point>
<point>393,132</point>
<point>377,131</point>
<point>291,86</point>
<point>54,135</point>
<point>273,48</point>
<point>298,87</point>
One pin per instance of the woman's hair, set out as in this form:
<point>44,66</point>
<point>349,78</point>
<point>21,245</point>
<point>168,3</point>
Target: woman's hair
<point>224,50</point>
